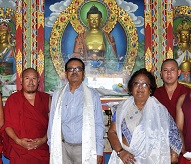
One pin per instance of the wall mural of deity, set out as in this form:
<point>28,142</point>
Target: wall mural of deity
<point>102,34</point>
<point>182,46</point>
<point>113,56</point>
<point>7,51</point>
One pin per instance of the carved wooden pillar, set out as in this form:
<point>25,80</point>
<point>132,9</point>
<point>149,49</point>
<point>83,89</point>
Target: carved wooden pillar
<point>158,35</point>
<point>30,38</point>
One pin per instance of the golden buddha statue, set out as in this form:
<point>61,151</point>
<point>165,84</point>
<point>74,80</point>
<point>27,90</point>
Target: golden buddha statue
<point>96,46</point>
<point>184,32</point>
<point>184,51</point>
<point>94,39</point>
<point>7,51</point>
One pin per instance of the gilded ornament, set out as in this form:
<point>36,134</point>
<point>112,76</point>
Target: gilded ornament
<point>74,15</point>
<point>148,60</point>
<point>183,36</point>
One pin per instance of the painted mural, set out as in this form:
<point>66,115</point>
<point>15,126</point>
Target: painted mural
<point>161,46</point>
<point>67,26</point>
<point>182,41</point>
<point>62,22</point>
<point>7,50</point>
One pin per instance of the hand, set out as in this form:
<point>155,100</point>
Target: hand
<point>38,142</point>
<point>30,143</point>
<point>25,142</point>
<point>127,157</point>
<point>99,159</point>
<point>174,158</point>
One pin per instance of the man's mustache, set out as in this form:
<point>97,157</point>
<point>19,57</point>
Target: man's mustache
<point>30,85</point>
<point>74,74</point>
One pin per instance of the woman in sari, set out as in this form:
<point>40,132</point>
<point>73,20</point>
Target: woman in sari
<point>142,131</point>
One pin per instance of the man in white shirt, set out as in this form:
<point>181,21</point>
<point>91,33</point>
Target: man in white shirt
<point>76,120</point>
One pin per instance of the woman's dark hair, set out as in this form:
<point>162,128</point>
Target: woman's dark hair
<point>143,71</point>
<point>74,59</point>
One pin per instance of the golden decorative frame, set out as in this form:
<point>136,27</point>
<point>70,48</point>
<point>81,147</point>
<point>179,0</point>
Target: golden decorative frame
<point>70,14</point>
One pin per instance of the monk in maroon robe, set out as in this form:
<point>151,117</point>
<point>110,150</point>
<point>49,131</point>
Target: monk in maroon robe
<point>162,96</point>
<point>169,93</point>
<point>26,122</point>
<point>1,124</point>
<point>183,121</point>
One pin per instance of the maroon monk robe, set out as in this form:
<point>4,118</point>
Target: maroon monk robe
<point>28,122</point>
<point>1,145</point>
<point>162,96</point>
<point>186,109</point>
<point>183,160</point>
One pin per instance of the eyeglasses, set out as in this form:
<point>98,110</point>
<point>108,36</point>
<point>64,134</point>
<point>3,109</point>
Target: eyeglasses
<point>137,84</point>
<point>77,69</point>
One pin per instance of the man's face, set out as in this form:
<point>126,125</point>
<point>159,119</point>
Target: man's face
<point>75,72</point>
<point>170,72</point>
<point>30,81</point>
<point>94,21</point>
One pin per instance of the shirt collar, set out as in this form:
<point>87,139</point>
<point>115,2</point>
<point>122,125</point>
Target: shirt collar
<point>77,90</point>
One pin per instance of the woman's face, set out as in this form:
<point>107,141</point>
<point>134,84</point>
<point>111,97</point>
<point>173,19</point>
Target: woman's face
<point>141,88</point>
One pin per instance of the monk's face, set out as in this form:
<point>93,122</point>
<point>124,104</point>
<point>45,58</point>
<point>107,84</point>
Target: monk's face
<point>170,72</point>
<point>75,72</point>
<point>30,81</point>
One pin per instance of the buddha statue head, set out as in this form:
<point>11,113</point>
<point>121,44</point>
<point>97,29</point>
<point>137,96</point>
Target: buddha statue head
<point>94,18</point>
<point>184,35</point>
